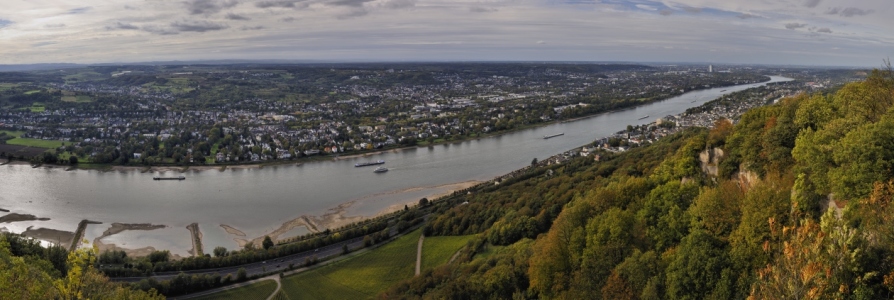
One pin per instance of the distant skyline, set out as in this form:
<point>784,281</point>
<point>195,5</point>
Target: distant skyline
<point>795,32</point>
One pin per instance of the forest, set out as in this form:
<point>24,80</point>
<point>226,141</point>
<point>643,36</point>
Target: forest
<point>791,202</point>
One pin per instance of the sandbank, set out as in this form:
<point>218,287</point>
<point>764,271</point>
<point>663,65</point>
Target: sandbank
<point>14,217</point>
<point>59,237</point>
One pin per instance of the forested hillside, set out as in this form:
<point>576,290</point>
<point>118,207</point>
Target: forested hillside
<point>30,271</point>
<point>792,202</point>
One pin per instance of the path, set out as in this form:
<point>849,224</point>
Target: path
<point>419,255</point>
<point>278,287</point>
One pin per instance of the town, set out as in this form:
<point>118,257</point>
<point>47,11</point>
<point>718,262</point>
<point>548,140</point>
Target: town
<point>191,115</point>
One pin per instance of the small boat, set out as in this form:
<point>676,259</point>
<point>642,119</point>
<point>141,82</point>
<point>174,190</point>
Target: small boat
<point>370,163</point>
<point>646,116</point>
<point>381,170</point>
<point>693,101</point>
<point>723,91</point>
<point>553,135</point>
<point>169,178</point>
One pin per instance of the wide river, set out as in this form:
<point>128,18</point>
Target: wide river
<point>257,201</point>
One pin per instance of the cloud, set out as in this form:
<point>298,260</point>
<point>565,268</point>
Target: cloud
<point>824,30</point>
<point>540,42</point>
<point>197,26</point>
<point>235,17</point>
<point>693,10</point>
<point>351,3</point>
<point>646,7</point>
<point>207,7</point>
<point>353,13</point>
<point>746,16</point>
<point>41,44</point>
<point>812,3</point>
<point>155,29</point>
<point>398,4</point>
<point>247,28</point>
<point>848,11</point>
<point>277,3</point>
<point>128,7</point>
<point>122,26</point>
<point>59,25</point>
<point>853,11</point>
<point>481,9</point>
<point>79,10</point>
<point>288,19</point>
<point>794,26</point>
<point>666,12</point>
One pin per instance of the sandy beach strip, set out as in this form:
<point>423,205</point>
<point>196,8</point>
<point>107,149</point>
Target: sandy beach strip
<point>337,216</point>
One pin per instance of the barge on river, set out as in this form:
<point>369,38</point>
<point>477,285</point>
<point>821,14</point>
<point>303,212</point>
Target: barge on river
<point>553,135</point>
<point>369,163</point>
<point>169,178</point>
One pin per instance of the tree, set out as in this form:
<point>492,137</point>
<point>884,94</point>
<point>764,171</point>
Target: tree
<point>534,162</point>
<point>220,251</point>
<point>73,160</point>
<point>241,275</point>
<point>423,202</point>
<point>267,242</point>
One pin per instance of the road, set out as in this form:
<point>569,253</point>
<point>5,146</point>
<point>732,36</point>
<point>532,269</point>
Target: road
<point>278,264</point>
<point>265,267</point>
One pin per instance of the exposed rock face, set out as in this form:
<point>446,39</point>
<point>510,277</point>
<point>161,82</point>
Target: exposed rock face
<point>709,159</point>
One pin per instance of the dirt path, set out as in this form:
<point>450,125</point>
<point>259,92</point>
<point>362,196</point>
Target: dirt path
<point>278,287</point>
<point>419,255</point>
<point>455,255</point>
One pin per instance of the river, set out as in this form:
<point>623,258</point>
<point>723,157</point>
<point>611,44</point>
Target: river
<point>257,201</point>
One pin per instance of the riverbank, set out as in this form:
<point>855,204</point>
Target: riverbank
<point>341,156</point>
<point>339,216</point>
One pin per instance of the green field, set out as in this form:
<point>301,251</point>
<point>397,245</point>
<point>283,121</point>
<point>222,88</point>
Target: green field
<point>49,144</point>
<point>38,107</point>
<point>438,250</point>
<point>258,290</point>
<point>358,277</point>
<point>5,86</point>
<point>77,99</point>
<point>12,133</point>
<point>83,75</point>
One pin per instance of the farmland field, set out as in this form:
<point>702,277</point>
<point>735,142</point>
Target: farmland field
<point>437,250</point>
<point>46,144</point>
<point>359,277</point>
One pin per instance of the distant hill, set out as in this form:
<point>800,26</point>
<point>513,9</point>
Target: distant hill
<point>37,67</point>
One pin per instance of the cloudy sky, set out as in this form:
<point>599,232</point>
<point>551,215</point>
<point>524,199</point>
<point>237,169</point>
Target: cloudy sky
<point>804,32</point>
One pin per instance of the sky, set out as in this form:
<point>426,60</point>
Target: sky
<point>790,32</point>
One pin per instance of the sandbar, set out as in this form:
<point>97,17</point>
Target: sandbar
<point>232,230</point>
<point>14,217</point>
<point>59,237</point>
<point>121,227</point>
